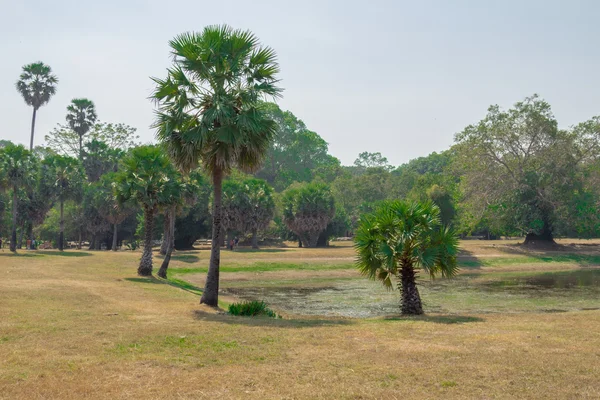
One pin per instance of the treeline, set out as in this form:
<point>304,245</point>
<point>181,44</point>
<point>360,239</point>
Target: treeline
<point>514,173</point>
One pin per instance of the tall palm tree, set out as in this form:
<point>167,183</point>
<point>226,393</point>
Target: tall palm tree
<point>19,172</point>
<point>64,179</point>
<point>209,111</point>
<point>37,85</point>
<point>145,177</point>
<point>399,238</point>
<point>81,116</point>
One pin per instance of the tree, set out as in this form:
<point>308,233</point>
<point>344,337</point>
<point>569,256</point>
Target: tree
<point>399,238</point>
<point>296,154</point>
<point>520,165</point>
<point>18,172</point>
<point>37,85</point>
<point>372,160</point>
<point>63,179</point>
<point>81,115</point>
<point>100,159</point>
<point>194,220</point>
<point>144,178</point>
<point>307,210</point>
<point>115,137</point>
<point>248,206</point>
<point>209,111</point>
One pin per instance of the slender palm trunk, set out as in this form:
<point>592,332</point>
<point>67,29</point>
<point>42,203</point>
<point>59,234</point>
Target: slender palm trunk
<point>32,128</point>
<point>254,239</point>
<point>162,272</point>
<point>80,240</point>
<point>164,247</point>
<point>411,300</point>
<point>145,268</point>
<point>61,237</point>
<point>114,242</point>
<point>210,296</point>
<point>13,238</point>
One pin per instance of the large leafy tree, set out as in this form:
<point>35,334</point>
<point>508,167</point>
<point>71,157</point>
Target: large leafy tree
<point>145,178</point>
<point>63,180</point>
<point>209,111</point>
<point>18,172</point>
<point>296,154</point>
<point>37,85</point>
<point>116,137</point>
<point>307,210</point>
<point>519,168</point>
<point>398,239</point>
<point>81,116</point>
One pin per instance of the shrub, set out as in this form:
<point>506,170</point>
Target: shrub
<point>251,309</point>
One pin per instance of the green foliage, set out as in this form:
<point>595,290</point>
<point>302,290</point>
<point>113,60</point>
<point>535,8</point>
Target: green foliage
<point>208,106</point>
<point>81,116</point>
<point>251,309</point>
<point>296,154</point>
<point>62,178</point>
<point>307,210</point>
<point>37,84</point>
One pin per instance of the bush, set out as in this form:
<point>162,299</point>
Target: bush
<point>252,309</point>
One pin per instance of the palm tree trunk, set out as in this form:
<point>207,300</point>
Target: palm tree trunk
<point>114,242</point>
<point>145,268</point>
<point>254,239</point>
<point>411,300</point>
<point>13,238</point>
<point>80,147</point>
<point>80,240</point>
<point>162,272</point>
<point>210,296</point>
<point>164,247</point>
<point>32,128</point>
<point>61,236</point>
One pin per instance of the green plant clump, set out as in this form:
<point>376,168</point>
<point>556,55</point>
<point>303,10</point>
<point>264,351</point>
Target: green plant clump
<point>252,309</point>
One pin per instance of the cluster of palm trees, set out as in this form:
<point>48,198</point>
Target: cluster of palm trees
<point>211,115</point>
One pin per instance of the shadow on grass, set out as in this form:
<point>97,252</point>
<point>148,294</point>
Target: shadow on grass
<point>468,260</point>
<point>74,253</point>
<point>8,253</point>
<point>270,322</point>
<point>186,258</point>
<point>251,250</point>
<point>183,285</point>
<point>437,319</point>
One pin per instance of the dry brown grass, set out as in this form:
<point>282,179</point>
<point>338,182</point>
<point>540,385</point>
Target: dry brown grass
<point>86,327</point>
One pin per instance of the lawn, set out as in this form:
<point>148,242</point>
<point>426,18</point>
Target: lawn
<point>513,324</point>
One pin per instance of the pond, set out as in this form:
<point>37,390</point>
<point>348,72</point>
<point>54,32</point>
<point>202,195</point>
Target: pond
<point>469,293</point>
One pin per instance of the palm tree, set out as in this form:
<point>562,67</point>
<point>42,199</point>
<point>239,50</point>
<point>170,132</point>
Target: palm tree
<point>63,178</point>
<point>399,238</point>
<point>37,85</point>
<point>18,165</point>
<point>209,111</point>
<point>145,177</point>
<point>307,210</point>
<point>81,115</point>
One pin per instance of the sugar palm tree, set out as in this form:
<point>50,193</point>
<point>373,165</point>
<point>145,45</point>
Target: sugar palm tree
<point>37,85</point>
<point>397,240</point>
<point>81,116</point>
<point>18,172</point>
<point>209,112</point>
<point>63,178</point>
<point>145,177</point>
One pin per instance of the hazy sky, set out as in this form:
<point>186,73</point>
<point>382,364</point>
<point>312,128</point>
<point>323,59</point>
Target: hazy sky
<point>399,77</point>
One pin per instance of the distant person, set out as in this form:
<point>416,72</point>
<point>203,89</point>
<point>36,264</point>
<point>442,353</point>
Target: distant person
<point>237,240</point>
<point>231,244</point>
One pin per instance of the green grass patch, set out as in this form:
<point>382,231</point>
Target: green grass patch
<point>580,259</point>
<point>251,309</point>
<point>266,267</point>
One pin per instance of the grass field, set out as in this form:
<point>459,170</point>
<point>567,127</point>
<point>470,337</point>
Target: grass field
<point>514,324</point>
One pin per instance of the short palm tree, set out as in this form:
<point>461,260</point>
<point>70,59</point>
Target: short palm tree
<point>37,85</point>
<point>145,177</point>
<point>18,172</point>
<point>81,116</point>
<point>209,111</point>
<point>397,240</point>
<point>63,178</point>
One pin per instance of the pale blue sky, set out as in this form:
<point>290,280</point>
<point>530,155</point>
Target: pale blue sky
<point>399,77</point>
